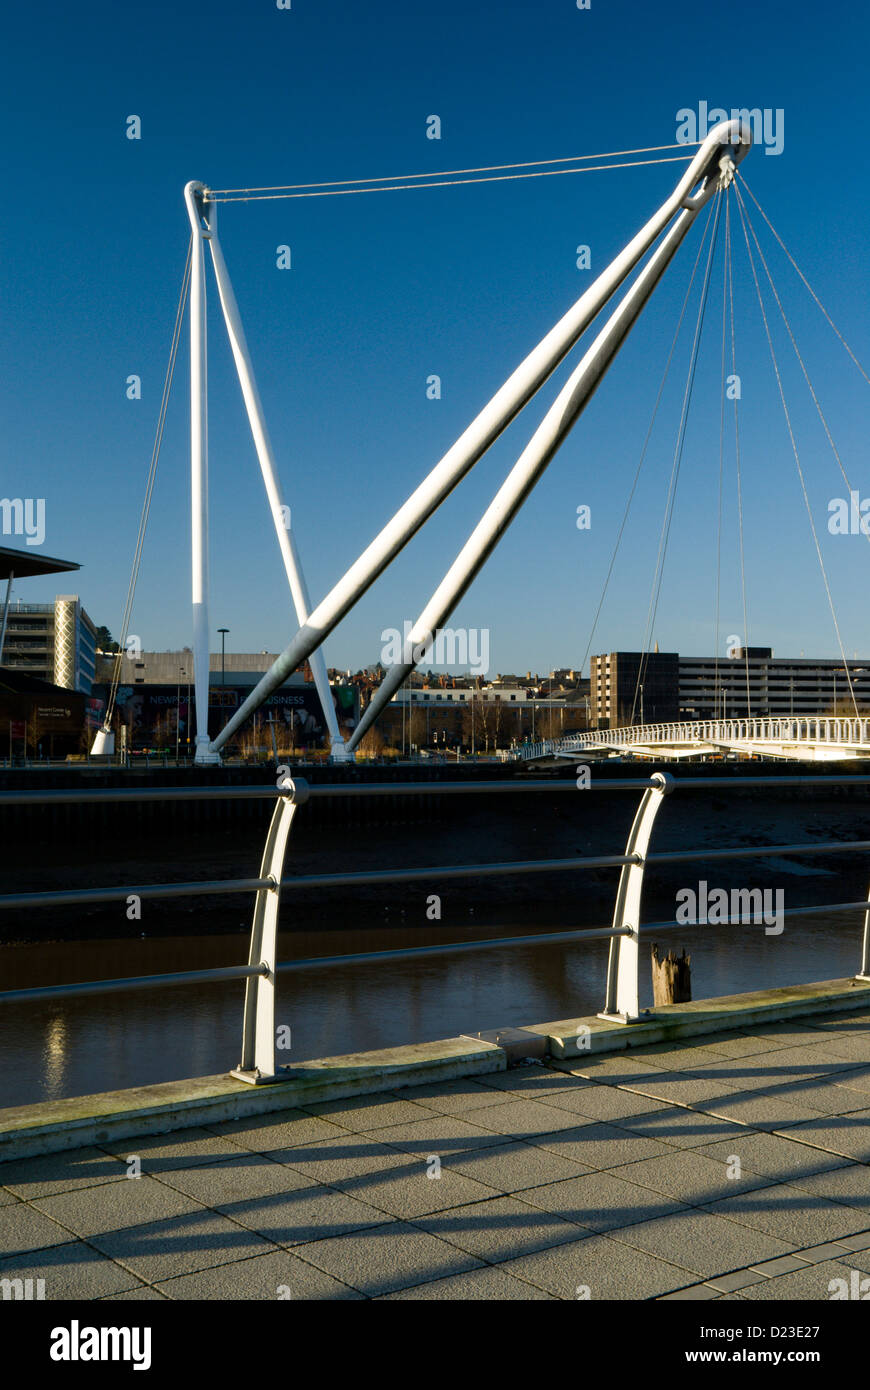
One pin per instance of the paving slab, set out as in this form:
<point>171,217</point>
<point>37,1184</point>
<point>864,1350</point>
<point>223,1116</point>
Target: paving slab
<point>602,1201</point>
<point>455,1097</point>
<point>276,1276</point>
<point>777,1156</point>
<point>740,1279</point>
<point>336,1162</point>
<point>22,1228</point>
<point>849,1184</point>
<point>703,1243</point>
<point>134,1295</point>
<point>813,1282</point>
<point>490,1283</point>
<point>763,1072</point>
<point>858,1079</point>
<point>821,1095</point>
<point>596,1101</point>
<point>682,1127</point>
<point>164,1153</point>
<point>73,1271</point>
<point>691,1177</point>
<point>60,1172</point>
<point>92,1211</point>
<point>370,1112</point>
<point>309,1213</point>
<point>761,1109</point>
<point>696,1293</point>
<point>413,1188</point>
<point>600,1145</point>
<point>442,1135</point>
<point>387,1258</point>
<point>598,1268</point>
<point>522,1119</point>
<point>286,1129</point>
<point>529,1080</point>
<point>516,1167</point>
<point>500,1229</point>
<point>848,1135</point>
<point>180,1245</point>
<point>791,1213</point>
<point>236,1180</point>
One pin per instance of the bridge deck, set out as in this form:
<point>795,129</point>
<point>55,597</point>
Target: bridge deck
<point>734,1165</point>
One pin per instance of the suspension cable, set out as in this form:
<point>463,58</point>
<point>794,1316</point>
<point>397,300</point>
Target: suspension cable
<point>797,353</point>
<point>677,460</point>
<point>803,277</point>
<point>646,442</point>
<point>240,194</point>
<point>797,458</point>
<point>443,183</point>
<point>149,489</point>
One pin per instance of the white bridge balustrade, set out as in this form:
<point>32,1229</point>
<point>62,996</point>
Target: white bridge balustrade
<point>810,738</point>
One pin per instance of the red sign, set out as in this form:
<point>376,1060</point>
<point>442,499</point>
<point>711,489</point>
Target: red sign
<point>18,728</point>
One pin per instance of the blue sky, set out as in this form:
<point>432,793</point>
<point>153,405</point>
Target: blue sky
<point>390,288</point>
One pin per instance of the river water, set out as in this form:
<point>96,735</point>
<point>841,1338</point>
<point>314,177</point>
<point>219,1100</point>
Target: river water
<point>98,1043</point>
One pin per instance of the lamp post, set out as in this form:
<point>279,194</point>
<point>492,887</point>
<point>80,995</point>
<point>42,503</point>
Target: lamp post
<point>181,672</point>
<point>223,632</point>
<point>641,705</point>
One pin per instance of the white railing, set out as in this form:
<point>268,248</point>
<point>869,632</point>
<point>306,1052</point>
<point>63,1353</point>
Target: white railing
<point>787,730</point>
<point>258,1064</point>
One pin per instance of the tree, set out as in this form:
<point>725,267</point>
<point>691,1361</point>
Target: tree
<point>416,726</point>
<point>105,641</point>
<point>371,744</point>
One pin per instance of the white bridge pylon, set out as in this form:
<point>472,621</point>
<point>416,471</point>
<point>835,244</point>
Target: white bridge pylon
<point>805,738</point>
<point>203,223</point>
<point>710,170</point>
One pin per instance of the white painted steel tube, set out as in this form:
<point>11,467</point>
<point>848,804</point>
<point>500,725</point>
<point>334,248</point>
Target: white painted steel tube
<point>265,455</point>
<point>199,468</point>
<point>550,434</point>
<point>507,402</point>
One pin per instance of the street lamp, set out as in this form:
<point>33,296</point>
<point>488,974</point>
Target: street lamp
<point>223,632</point>
<point>181,672</point>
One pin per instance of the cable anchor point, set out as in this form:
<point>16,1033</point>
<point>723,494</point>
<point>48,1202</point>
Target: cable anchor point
<point>727,170</point>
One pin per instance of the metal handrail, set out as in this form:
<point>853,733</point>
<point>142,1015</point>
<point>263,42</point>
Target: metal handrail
<point>263,966</point>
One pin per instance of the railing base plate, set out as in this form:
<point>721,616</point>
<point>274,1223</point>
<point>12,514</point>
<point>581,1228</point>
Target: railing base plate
<point>255,1077</point>
<point>645,1016</point>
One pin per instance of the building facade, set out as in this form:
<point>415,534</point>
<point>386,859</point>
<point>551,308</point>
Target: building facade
<point>669,687</point>
<point>53,642</point>
<point>634,687</point>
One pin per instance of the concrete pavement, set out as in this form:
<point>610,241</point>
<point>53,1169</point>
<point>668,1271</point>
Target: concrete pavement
<point>733,1165</point>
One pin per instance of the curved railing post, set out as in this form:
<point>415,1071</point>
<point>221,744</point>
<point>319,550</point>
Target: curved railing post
<point>258,1064</point>
<point>864,972</point>
<point>621,1001</point>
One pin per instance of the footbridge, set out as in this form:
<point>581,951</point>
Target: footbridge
<point>814,738</point>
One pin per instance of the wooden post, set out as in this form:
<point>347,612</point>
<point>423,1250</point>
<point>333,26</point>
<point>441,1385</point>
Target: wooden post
<point>671,977</point>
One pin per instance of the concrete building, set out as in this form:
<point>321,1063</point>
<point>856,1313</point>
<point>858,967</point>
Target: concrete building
<point>50,642</point>
<point>53,642</point>
<point>752,682</point>
<point>645,685</point>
